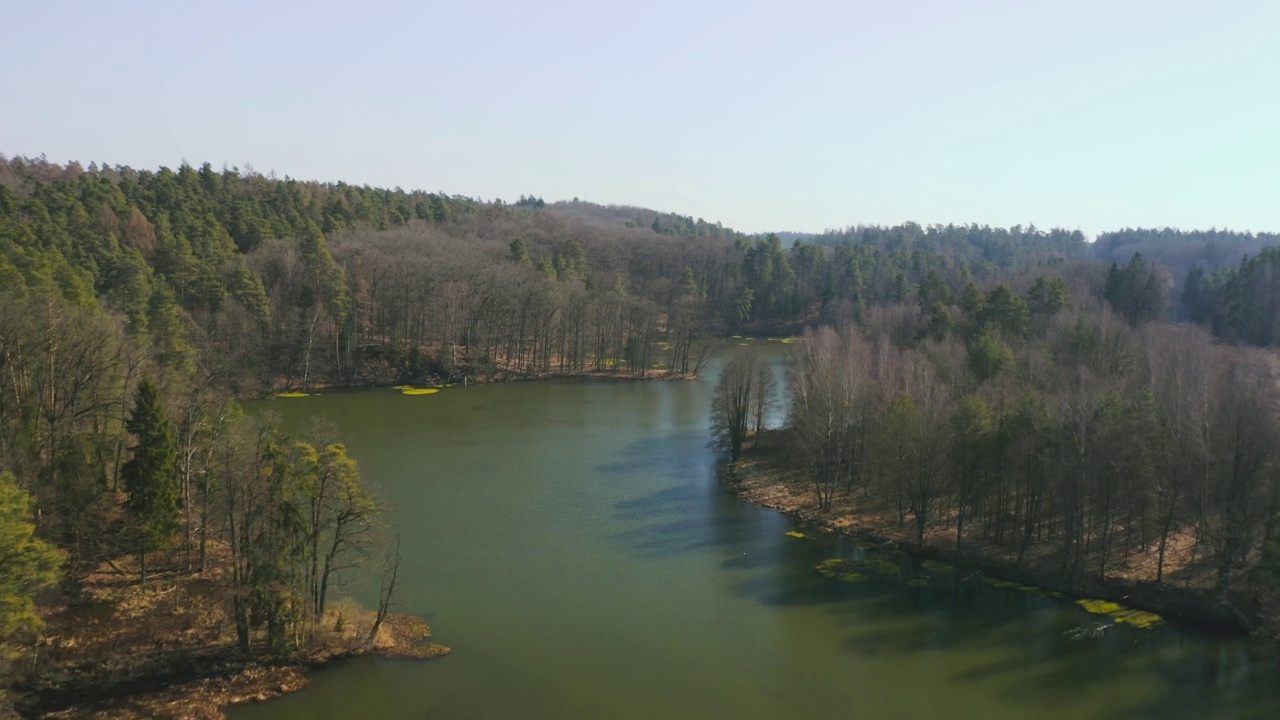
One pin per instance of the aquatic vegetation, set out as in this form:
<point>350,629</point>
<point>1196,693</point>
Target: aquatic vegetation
<point>291,395</point>
<point>796,534</point>
<point>843,570</point>
<point>1100,607</point>
<point>1121,614</point>
<point>832,567</point>
<point>880,567</point>
<point>420,391</point>
<point>1138,618</point>
<point>857,571</point>
<point>918,583</point>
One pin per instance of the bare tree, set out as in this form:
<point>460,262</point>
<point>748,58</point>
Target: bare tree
<point>387,591</point>
<point>766,389</point>
<point>736,395</point>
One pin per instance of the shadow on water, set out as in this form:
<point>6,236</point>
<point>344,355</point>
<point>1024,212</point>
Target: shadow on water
<point>674,456</point>
<point>1027,635</point>
<point>673,519</point>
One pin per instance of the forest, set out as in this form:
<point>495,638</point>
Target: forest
<point>1018,384</point>
<point>1058,421</point>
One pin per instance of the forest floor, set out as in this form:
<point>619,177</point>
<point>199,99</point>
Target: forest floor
<point>168,650</point>
<point>769,477</point>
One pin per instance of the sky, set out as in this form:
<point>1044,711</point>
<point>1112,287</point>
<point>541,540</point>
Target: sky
<point>799,115</point>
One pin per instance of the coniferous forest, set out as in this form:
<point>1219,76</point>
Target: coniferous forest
<point>1101,403</point>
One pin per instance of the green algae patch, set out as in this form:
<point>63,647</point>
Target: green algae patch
<point>833,567</point>
<point>918,583</point>
<point>852,571</point>
<point>291,395</point>
<point>1138,618</point>
<point>1121,614</point>
<point>420,391</point>
<point>796,534</point>
<point>842,570</point>
<point>1100,607</point>
<point>881,567</point>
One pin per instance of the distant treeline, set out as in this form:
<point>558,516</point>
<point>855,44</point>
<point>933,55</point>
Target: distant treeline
<point>300,283</point>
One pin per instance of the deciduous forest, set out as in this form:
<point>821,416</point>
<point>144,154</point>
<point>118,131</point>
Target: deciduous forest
<point>1058,420</point>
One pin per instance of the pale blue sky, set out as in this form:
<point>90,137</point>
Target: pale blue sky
<point>797,116</point>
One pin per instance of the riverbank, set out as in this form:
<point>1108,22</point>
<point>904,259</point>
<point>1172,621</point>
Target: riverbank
<point>768,476</point>
<point>284,389</point>
<point>383,367</point>
<point>168,650</point>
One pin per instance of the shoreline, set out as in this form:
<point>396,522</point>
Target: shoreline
<point>285,391</point>
<point>281,387</point>
<point>168,650</point>
<point>758,479</point>
<point>209,694</point>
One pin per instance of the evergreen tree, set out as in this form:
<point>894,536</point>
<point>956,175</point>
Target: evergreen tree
<point>520,252</point>
<point>988,354</point>
<point>150,476</point>
<point>1134,290</point>
<point>1047,297</point>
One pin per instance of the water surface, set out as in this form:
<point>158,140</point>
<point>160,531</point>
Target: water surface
<point>572,544</point>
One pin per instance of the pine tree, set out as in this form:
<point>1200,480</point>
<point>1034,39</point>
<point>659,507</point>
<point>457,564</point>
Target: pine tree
<point>520,252</point>
<point>150,476</point>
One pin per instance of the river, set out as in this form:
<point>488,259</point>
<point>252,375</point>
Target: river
<point>570,541</point>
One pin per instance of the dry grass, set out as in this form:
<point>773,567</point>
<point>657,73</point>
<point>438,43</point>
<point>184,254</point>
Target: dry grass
<point>168,650</point>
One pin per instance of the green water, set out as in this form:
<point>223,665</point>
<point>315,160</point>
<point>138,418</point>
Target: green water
<point>570,541</point>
